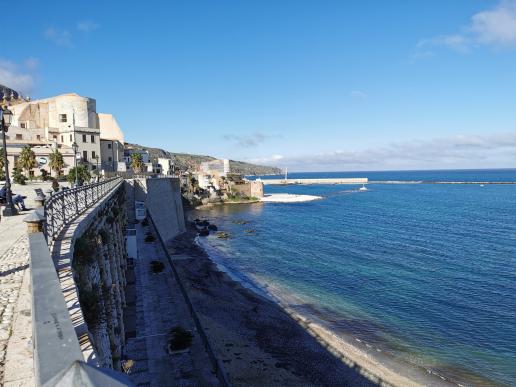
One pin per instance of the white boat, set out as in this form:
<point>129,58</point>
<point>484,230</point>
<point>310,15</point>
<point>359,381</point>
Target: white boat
<point>363,188</point>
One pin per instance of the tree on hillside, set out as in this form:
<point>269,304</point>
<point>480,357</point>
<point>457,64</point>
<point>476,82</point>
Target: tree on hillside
<point>56,163</point>
<point>136,162</point>
<point>27,160</point>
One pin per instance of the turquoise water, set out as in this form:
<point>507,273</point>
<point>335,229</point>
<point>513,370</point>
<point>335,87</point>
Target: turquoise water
<point>426,273</point>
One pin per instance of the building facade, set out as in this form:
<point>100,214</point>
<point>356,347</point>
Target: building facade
<point>111,144</point>
<point>55,123</point>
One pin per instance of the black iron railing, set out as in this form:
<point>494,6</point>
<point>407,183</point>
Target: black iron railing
<point>65,206</point>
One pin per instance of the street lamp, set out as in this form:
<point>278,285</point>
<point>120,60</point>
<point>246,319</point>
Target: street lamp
<point>75,147</point>
<point>6,117</point>
<point>98,172</point>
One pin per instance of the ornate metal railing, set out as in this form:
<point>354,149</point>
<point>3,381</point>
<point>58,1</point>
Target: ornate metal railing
<point>65,206</point>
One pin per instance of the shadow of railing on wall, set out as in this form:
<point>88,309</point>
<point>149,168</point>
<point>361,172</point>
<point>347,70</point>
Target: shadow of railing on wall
<point>58,359</point>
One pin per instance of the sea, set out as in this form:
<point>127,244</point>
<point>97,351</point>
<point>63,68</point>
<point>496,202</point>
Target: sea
<point>422,273</point>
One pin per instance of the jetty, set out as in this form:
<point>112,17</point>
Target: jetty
<point>352,180</point>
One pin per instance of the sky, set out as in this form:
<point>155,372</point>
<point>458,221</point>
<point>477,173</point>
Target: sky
<point>314,85</point>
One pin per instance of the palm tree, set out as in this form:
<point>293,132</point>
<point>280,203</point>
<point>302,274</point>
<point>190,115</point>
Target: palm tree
<point>136,162</point>
<point>27,159</point>
<point>56,161</point>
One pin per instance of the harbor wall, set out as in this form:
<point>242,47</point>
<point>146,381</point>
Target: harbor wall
<point>354,180</point>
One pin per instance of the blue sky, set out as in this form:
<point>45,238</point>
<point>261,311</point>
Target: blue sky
<point>312,85</point>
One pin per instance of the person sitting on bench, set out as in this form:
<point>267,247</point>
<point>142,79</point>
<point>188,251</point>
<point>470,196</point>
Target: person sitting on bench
<point>17,199</point>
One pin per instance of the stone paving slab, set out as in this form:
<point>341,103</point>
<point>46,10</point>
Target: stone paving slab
<point>16,362</point>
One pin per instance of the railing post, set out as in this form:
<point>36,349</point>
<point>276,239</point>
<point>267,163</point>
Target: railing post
<point>63,208</point>
<point>76,197</point>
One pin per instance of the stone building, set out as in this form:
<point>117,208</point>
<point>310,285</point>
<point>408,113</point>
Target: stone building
<point>58,122</point>
<point>52,123</point>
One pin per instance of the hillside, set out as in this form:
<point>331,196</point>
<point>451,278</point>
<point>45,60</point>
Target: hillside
<point>185,161</point>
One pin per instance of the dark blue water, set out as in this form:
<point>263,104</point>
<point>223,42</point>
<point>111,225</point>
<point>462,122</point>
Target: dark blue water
<point>438,175</point>
<point>426,273</point>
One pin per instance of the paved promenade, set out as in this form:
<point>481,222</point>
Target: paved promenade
<point>15,310</point>
<point>16,362</point>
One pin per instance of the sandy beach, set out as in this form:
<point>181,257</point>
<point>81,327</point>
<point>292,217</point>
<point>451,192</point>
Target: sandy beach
<point>262,343</point>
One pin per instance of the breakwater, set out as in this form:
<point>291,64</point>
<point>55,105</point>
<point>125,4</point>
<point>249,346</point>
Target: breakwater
<point>440,182</point>
<point>365,180</point>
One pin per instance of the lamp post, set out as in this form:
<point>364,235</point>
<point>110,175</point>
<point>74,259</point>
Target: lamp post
<point>5,121</point>
<point>98,172</point>
<point>75,147</point>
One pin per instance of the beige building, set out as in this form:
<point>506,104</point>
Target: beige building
<point>57,122</point>
<point>111,144</point>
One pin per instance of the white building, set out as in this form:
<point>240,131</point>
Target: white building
<point>167,166</point>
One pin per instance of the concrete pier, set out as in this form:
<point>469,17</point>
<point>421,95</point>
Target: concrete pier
<point>352,180</point>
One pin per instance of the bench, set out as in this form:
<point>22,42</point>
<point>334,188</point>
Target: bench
<point>39,192</point>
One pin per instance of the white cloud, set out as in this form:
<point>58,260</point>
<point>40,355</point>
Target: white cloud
<point>464,151</point>
<point>87,26</point>
<point>16,77</point>
<point>249,140</point>
<point>61,38</point>
<point>455,42</point>
<point>495,27</point>
<point>357,94</point>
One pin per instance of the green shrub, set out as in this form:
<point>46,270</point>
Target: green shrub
<point>18,177</point>
<point>83,175</point>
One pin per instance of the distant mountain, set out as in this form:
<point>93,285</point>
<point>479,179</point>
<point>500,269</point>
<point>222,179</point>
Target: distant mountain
<point>186,161</point>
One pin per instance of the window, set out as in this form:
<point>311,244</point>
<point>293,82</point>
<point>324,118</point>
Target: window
<point>62,118</point>
<point>85,155</point>
<point>38,137</point>
<point>23,125</point>
<point>62,138</point>
<point>31,173</point>
<point>109,145</point>
<point>92,139</point>
<point>55,137</point>
<point>70,137</point>
<point>110,159</point>
<point>19,136</point>
<point>84,138</point>
<point>93,154</point>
